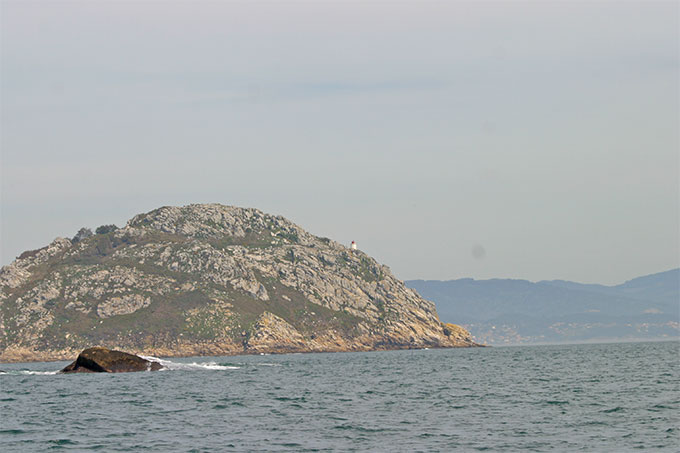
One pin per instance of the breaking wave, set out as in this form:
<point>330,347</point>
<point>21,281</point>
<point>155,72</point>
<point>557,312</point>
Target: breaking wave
<point>193,366</point>
<point>168,365</point>
<point>28,372</point>
<point>38,373</point>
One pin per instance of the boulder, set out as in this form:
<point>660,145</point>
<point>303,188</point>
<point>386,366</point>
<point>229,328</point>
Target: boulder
<point>102,360</point>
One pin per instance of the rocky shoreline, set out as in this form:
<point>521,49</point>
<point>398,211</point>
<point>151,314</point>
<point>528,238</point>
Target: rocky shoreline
<point>209,350</point>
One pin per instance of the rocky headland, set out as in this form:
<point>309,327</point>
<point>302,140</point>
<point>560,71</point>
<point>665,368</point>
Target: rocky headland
<point>208,280</point>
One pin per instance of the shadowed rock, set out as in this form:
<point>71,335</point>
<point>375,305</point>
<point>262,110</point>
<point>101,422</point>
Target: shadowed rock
<point>102,360</point>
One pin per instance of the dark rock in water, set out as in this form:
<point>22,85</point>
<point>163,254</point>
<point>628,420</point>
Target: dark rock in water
<point>102,360</point>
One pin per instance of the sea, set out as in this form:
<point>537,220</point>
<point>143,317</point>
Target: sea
<point>588,397</point>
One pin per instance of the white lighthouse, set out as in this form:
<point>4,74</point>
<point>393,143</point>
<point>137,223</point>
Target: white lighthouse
<point>353,246</point>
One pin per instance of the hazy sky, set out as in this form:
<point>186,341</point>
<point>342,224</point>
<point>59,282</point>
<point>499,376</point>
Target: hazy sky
<point>533,140</point>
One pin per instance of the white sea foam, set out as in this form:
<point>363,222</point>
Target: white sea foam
<point>175,366</point>
<point>167,365</point>
<point>38,373</point>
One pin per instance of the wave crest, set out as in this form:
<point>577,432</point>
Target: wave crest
<point>193,366</point>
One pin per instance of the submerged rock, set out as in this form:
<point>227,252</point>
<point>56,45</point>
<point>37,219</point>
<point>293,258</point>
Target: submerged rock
<point>102,360</point>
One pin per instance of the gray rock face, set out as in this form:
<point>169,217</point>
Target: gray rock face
<point>208,279</point>
<point>124,305</point>
<point>17,273</point>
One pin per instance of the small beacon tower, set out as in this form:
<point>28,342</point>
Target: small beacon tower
<point>353,246</point>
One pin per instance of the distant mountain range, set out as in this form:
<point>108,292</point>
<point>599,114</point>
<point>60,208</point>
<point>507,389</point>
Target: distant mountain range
<point>502,311</point>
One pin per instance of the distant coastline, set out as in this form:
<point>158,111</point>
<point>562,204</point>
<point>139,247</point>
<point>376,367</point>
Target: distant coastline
<point>516,312</point>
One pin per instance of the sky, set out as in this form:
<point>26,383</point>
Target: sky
<point>533,140</point>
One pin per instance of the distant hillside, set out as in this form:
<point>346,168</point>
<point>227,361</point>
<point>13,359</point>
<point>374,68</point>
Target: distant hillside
<point>519,311</point>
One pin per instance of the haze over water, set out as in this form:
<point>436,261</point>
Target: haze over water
<point>603,397</point>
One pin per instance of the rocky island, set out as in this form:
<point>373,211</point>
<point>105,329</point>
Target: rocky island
<point>208,280</point>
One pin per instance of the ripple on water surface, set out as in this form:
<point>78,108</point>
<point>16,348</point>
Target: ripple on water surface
<point>613,397</point>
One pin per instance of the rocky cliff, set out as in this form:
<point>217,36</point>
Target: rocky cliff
<point>208,280</point>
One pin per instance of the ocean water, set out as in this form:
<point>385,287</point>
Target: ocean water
<point>604,397</point>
